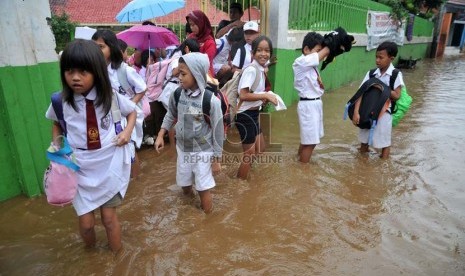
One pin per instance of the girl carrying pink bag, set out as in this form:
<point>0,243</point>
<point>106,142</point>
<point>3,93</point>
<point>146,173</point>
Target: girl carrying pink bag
<point>60,178</point>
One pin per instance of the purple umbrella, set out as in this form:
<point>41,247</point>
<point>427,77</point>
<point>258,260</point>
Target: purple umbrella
<point>147,36</point>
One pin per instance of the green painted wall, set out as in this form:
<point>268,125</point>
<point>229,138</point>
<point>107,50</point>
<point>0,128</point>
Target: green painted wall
<point>24,97</point>
<point>346,68</point>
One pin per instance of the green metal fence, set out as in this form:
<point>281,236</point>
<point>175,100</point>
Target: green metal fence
<point>323,15</point>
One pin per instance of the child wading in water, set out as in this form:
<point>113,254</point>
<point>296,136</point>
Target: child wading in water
<point>385,54</point>
<point>134,90</point>
<point>307,82</point>
<point>250,102</point>
<point>103,155</point>
<point>199,143</point>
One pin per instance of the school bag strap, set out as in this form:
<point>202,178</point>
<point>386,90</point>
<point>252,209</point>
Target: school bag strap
<point>242,57</point>
<point>116,113</point>
<point>122,75</point>
<point>219,49</point>
<point>57,104</point>
<point>254,84</point>
<point>63,155</point>
<point>257,78</point>
<point>392,78</point>
<point>372,73</point>
<point>206,102</point>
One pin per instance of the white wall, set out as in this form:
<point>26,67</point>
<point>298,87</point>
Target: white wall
<point>26,39</point>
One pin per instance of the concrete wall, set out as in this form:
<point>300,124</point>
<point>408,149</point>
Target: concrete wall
<point>28,75</point>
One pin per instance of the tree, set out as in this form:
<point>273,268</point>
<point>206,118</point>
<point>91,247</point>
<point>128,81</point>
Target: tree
<point>62,29</point>
<point>415,6</point>
<point>423,8</point>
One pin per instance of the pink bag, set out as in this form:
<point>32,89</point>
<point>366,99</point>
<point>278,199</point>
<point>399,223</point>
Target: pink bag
<point>156,74</point>
<point>145,106</point>
<point>60,178</point>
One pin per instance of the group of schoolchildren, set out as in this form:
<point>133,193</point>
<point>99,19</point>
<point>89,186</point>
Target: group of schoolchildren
<point>92,82</point>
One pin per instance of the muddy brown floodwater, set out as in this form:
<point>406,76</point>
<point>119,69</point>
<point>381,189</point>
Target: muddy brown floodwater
<point>343,214</point>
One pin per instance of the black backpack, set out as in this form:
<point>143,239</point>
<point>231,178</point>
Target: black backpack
<point>210,90</point>
<point>236,46</point>
<point>375,94</point>
<point>392,80</point>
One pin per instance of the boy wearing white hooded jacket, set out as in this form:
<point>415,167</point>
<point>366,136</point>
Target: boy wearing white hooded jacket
<point>199,144</point>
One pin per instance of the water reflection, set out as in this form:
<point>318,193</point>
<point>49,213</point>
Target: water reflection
<point>343,214</point>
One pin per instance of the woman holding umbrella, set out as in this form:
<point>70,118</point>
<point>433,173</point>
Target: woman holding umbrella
<point>202,32</point>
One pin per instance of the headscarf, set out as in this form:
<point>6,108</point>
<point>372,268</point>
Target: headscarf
<point>202,21</point>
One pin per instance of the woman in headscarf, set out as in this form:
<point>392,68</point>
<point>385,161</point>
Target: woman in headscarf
<point>202,32</point>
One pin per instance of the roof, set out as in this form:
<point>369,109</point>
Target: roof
<point>455,6</point>
<point>254,14</point>
<point>457,2</point>
<point>103,12</point>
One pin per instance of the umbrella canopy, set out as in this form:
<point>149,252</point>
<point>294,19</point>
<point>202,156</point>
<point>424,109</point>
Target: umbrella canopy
<point>147,36</point>
<point>140,10</point>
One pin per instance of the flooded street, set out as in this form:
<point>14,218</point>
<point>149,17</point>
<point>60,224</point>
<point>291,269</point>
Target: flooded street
<point>343,214</point>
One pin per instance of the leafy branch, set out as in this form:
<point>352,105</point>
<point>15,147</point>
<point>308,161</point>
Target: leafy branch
<point>62,29</point>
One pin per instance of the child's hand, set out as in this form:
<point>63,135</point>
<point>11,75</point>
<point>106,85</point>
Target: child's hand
<point>270,97</point>
<point>273,60</point>
<point>216,167</point>
<point>356,118</point>
<point>159,144</point>
<point>122,139</point>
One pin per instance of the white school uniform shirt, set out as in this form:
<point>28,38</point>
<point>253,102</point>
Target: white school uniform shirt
<point>306,76</point>
<point>173,65</point>
<point>248,56</point>
<point>142,73</point>
<point>385,78</point>
<point>247,80</point>
<point>222,57</point>
<point>139,86</point>
<point>134,80</point>
<point>103,172</point>
<point>171,82</point>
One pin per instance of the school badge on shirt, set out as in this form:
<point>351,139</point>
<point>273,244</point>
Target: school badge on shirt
<point>105,122</point>
<point>93,136</point>
<point>121,90</point>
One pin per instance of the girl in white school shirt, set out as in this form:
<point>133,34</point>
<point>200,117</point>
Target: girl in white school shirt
<point>103,156</point>
<point>250,102</point>
<point>108,43</point>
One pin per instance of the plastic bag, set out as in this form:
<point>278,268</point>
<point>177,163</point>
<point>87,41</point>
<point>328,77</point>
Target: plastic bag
<point>402,106</point>
<point>60,178</point>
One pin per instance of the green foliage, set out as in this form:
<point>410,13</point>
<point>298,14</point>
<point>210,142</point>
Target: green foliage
<point>398,11</point>
<point>422,8</point>
<point>62,29</point>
